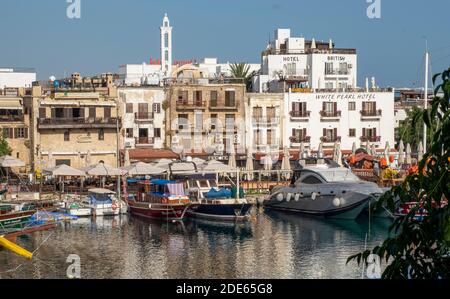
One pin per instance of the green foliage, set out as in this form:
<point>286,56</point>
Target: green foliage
<point>421,249</point>
<point>242,70</point>
<point>411,129</point>
<point>5,149</point>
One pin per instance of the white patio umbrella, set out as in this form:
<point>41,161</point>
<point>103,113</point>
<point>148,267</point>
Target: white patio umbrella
<point>88,158</point>
<point>373,150</point>
<point>286,163</point>
<point>249,165</point>
<point>301,151</point>
<point>232,160</point>
<point>64,170</point>
<point>339,154</point>
<point>8,161</point>
<point>387,149</point>
<point>216,166</point>
<point>420,152</point>
<point>51,161</point>
<point>354,148</point>
<point>127,158</point>
<point>267,161</point>
<point>142,168</point>
<point>408,153</point>
<point>335,152</point>
<point>163,163</point>
<point>401,156</point>
<point>368,146</point>
<point>102,169</point>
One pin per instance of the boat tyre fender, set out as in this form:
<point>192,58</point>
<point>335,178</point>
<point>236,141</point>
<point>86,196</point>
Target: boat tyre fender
<point>114,206</point>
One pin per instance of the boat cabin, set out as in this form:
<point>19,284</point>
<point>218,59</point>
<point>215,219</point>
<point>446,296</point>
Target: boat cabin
<point>100,196</point>
<point>161,191</point>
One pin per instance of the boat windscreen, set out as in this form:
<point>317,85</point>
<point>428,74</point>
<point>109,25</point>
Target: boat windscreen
<point>339,175</point>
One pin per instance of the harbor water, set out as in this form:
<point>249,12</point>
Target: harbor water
<point>270,245</point>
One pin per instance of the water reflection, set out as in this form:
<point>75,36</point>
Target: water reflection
<point>271,245</point>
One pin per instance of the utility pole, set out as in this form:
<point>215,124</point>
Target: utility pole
<point>425,104</point>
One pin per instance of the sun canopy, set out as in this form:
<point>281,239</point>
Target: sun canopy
<point>8,161</point>
<point>102,169</point>
<point>142,168</point>
<point>101,191</point>
<point>64,170</point>
<point>215,166</point>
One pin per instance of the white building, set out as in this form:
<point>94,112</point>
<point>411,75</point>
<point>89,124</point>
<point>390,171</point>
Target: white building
<point>16,77</point>
<point>294,62</point>
<point>337,116</point>
<point>211,68</point>
<point>322,103</point>
<point>143,117</point>
<point>265,123</point>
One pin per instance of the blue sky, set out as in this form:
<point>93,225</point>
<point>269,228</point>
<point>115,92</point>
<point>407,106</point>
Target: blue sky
<point>110,33</point>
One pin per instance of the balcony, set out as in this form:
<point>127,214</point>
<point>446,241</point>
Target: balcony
<point>300,115</point>
<point>371,114</point>
<point>224,106</point>
<point>190,105</point>
<point>12,118</point>
<point>370,138</point>
<point>333,139</point>
<point>266,121</point>
<point>144,117</point>
<point>144,141</point>
<point>336,72</point>
<point>329,115</point>
<point>79,123</point>
<point>300,139</point>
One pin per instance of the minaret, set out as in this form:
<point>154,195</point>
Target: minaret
<point>166,47</point>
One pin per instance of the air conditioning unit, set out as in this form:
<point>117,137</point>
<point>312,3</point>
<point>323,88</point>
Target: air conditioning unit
<point>220,148</point>
<point>127,144</point>
<point>237,139</point>
<point>350,66</point>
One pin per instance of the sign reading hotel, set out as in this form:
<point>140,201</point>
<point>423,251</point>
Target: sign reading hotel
<point>346,96</point>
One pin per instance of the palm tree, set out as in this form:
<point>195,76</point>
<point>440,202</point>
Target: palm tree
<point>242,70</point>
<point>411,129</point>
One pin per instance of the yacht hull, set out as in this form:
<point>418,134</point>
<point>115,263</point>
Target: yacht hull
<point>221,212</point>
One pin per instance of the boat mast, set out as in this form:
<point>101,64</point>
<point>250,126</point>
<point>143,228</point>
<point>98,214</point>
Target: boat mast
<point>425,102</point>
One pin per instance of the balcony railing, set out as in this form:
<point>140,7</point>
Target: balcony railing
<point>184,104</point>
<point>259,120</point>
<point>78,122</point>
<point>371,113</point>
<point>324,113</point>
<point>326,139</point>
<point>11,118</point>
<point>299,139</point>
<point>300,114</point>
<point>370,138</point>
<point>144,141</point>
<point>140,116</point>
<point>223,106</point>
<point>333,72</point>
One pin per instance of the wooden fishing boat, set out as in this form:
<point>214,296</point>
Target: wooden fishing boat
<point>160,199</point>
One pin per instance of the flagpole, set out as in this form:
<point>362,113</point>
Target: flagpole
<point>425,104</point>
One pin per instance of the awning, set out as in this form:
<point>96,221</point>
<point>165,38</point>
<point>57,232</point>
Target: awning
<point>11,103</point>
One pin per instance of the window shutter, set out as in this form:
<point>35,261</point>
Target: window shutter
<point>364,132</point>
<point>335,106</point>
<point>304,132</point>
<point>335,132</point>
<point>42,113</point>
<point>324,108</point>
<point>53,112</point>
<point>374,131</point>
<point>324,132</point>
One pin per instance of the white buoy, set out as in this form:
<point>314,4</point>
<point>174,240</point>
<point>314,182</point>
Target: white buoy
<point>297,197</point>
<point>313,196</point>
<point>288,197</point>
<point>280,197</point>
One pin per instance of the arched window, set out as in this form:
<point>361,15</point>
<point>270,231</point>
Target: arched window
<point>166,55</point>
<point>166,40</point>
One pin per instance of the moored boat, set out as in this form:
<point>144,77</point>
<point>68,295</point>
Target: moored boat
<point>160,199</point>
<point>103,202</point>
<point>324,190</point>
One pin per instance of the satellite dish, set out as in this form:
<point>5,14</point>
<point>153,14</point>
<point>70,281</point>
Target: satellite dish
<point>52,78</point>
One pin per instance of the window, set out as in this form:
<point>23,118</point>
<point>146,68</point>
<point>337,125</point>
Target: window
<point>213,98</point>
<point>329,68</point>
<point>17,155</point>
<point>58,112</point>
<point>66,136</point>
<point>8,133</point>
<point>143,111</point>
<point>343,68</point>
<point>330,135</point>
<point>270,111</point>
<point>230,100</point>
<point>299,108</point>
<point>329,85</point>
<point>129,108</point>
<point>21,133</point>
<point>107,112</point>
<point>62,162</point>
<point>198,97</point>
<point>311,180</point>
<point>229,120</point>
<point>183,120</point>
<point>166,39</point>
<point>92,112</point>
<point>157,132</point>
<point>369,108</point>
<point>101,134</point>
<point>213,121</point>
<point>198,121</point>
<point>352,132</point>
<point>290,69</point>
<point>157,108</point>
<point>166,55</point>
<point>42,113</point>
<point>182,97</point>
<point>351,106</point>
<point>129,132</point>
